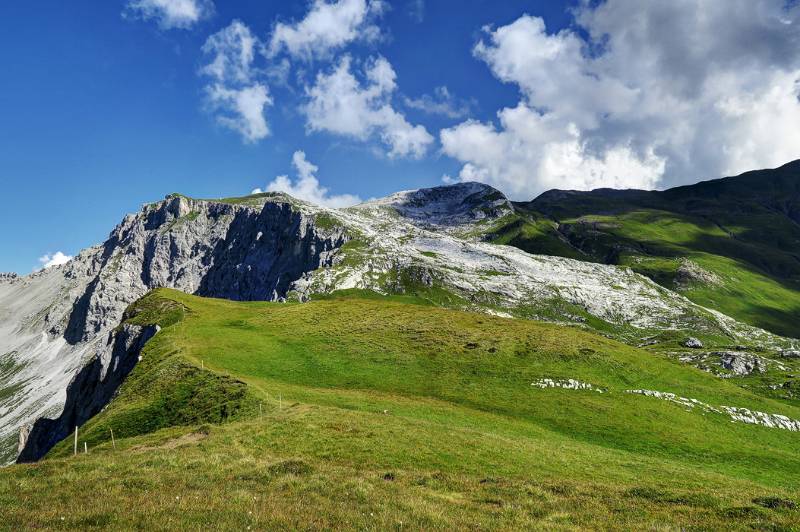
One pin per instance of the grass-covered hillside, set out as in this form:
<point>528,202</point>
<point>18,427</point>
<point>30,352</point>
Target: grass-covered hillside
<point>384,413</point>
<point>730,244</point>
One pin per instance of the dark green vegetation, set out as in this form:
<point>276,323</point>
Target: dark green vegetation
<point>730,244</point>
<point>370,412</point>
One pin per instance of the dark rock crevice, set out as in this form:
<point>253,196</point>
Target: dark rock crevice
<point>88,392</point>
<point>76,326</point>
<point>264,253</point>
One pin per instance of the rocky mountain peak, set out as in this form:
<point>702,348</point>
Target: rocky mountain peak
<point>54,320</point>
<point>448,205</point>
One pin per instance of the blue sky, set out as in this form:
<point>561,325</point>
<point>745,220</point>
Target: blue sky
<point>107,105</point>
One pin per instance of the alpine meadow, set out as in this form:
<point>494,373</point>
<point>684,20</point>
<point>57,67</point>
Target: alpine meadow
<point>512,291</point>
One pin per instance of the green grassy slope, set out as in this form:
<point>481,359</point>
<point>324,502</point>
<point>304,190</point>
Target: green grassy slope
<point>745,230</point>
<point>387,413</point>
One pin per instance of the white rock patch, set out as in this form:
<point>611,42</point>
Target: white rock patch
<point>742,415</point>
<point>671,397</point>
<point>775,421</point>
<point>568,384</point>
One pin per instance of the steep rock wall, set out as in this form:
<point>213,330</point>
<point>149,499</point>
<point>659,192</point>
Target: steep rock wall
<point>90,390</point>
<point>209,248</point>
<point>55,322</point>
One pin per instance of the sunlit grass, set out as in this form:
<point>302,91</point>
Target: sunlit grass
<point>379,413</point>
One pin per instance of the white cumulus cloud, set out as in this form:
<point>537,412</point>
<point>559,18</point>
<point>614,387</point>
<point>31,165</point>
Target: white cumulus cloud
<point>241,110</point>
<point>56,259</point>
<point>171,13</point>
<point>531,153</point>
<point>647,94</point>
<point>327,26</point>
<point>307,187</point>
<point>340,103</point>
<point>236,94</point>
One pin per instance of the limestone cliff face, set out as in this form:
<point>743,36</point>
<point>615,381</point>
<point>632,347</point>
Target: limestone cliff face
<point>55,324</point>
<point>208,248</point>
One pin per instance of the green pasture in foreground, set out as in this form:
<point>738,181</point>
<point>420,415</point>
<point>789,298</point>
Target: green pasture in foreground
<point>383,413</point>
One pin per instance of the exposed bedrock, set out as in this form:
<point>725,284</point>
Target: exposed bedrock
<point>54,319</point>
<point>90,390</point>
<point>208,248</point>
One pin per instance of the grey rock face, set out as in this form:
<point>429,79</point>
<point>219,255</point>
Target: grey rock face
<point>693,343</point>
<point>8,277</point>
<point>52,322</point>
<point>451,205</point>
<point>89,391</point>
<point>208,248</point>
<point>790,354</point>
<point>741,363</point>
<point>24,435</point>
<point>689,273</point>
<point>727,364</point>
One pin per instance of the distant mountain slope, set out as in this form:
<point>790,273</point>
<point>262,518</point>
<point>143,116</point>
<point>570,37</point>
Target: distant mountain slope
<point>731,244</point>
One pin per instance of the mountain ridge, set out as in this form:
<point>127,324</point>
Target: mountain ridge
<point>790,169</point>
<point>429,243</point>
<point>742,229</point>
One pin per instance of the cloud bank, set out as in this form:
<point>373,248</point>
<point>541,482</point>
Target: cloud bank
<point>56,259</point>
<point>326,28</point>
<point>656,94</point>
<point>441,103</point>
<point>235,94</point>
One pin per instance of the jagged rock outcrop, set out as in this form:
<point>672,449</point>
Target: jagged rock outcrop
<point>90,390</point>
<point>216,249</point>
<point>690,273</point>
<point>740,364</point>
<point>566,384</point>
<point>728,364</point>
<point>777,421</point>
<point>737,414</point>
<point>24,435</point>
<point>445,206</point>
<point>693,343</point>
